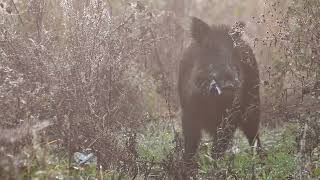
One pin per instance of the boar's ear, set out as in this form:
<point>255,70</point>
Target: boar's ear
<point>199,30</point>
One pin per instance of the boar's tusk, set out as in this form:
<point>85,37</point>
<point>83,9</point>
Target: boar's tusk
<point>218,90</point>
<point>214,88</point>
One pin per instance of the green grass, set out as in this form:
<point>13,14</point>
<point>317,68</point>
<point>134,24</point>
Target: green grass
<point>280,161</point>
<point>156,141</point>
<point>280,145</point>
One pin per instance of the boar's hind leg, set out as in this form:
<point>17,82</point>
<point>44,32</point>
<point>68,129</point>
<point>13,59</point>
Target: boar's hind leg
<point>250,127</point>
<point>252,135</point>
<point>192,135</point>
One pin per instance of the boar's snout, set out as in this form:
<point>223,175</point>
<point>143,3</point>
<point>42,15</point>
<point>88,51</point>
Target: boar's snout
<point>228,86</point>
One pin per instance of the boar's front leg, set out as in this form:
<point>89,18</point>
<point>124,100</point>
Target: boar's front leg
<point>192,136</point>
<point>250,126</point>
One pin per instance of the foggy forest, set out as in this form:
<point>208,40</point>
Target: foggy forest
<point>160,89</point>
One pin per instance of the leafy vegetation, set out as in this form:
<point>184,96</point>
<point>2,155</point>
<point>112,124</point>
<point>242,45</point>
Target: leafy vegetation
<point>98,78</point>
<point>156,142</point>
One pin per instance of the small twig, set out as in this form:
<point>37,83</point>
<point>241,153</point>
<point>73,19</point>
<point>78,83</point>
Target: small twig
<point>121,25</point>
<point>149,169</point>
<point>18,13</point>
<point>302,148</point>
<point>93,142</point>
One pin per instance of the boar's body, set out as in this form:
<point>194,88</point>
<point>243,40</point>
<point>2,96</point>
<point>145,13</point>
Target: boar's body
<point>216,56</point>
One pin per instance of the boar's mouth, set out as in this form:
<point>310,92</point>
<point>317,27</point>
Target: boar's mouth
<point>216,89</point>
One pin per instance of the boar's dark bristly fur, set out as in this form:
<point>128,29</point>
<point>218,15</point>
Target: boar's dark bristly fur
<point>218,56</point>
